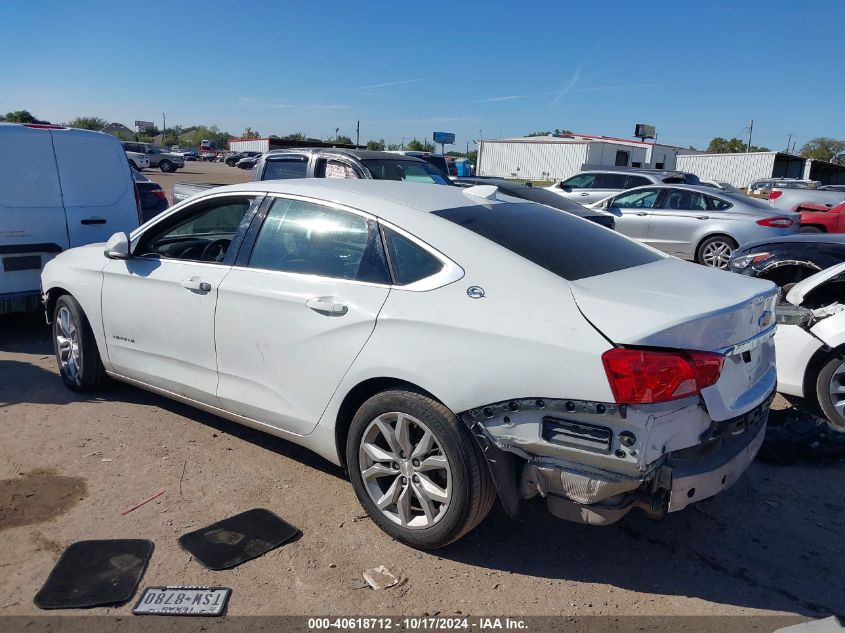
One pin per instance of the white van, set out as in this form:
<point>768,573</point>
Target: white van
<point>59,188</point>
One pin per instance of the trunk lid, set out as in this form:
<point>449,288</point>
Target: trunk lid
<point>678,305</point>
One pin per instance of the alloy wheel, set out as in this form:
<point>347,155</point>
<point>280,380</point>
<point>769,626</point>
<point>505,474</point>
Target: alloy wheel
<point>405,471</point>
<point>717,254</point>
<point>836,390</point>
<point>67,339</point>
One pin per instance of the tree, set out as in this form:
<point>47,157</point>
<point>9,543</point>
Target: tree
<point>88,123</point>
<point>343,139</point>
<point>546,133</point>
<point>392,147</point>
<point>250,133</point>
<point>421,146</point>
<point>296,136</point>
<point>823,148</point>
<point>20,116</point>
<point>557,131</point>
<point>376,145</point>
<point>720,145</point>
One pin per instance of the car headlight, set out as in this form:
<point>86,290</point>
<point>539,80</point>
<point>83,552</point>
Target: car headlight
<point>746,260</point>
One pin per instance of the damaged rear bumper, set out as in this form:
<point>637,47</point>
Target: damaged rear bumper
<point>597,472</point>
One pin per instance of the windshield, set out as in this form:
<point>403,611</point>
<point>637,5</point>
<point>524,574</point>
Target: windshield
<point>407,170</point>
<point>561,243</point>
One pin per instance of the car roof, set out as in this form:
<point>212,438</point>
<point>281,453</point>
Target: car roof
<point>361,154</point>
<point>389,199</point>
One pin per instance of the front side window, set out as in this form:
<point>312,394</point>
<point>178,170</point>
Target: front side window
<point>579,181</point>
<point>683,200</point>
<point>287,167</point>
<point>409,261</point>
<point>203,232</point>
<point>312,239</point>
<point>640,199</point>
<point>405,170</point>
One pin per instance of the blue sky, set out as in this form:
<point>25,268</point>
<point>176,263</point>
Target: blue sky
<point>405,69</point>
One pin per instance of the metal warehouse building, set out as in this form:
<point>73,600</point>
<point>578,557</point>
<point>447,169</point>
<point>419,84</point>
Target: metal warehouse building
<point>560,156</point>
<point>266,144</point>
<point>742,169</point>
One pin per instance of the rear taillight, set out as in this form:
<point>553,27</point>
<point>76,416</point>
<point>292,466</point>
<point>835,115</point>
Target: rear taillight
<point>138,204</point>
<point>646,376</point>
<point>776,223</point>
<point>159,193</point>
<point>774,195</point>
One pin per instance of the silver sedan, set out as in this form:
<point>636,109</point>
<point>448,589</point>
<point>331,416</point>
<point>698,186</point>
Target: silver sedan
<point>695,222</point>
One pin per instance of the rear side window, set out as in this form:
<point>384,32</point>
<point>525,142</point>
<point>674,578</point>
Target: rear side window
<point>312,239</point>
<point>718,204</point>
<point>561,243</point>
<point>636,181</point>
<point>610,181</point>
<point>281,168</point>
<point>408,261</point>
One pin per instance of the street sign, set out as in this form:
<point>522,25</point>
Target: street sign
<point>444,138</point>
<point>643,131</point>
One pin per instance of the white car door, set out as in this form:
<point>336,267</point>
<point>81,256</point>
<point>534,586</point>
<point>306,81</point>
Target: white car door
<point>296,310</point>
<point>158,306</point>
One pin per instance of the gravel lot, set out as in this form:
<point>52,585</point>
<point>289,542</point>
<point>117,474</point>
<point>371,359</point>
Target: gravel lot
<point>70,464</point>
<point>196,171</point>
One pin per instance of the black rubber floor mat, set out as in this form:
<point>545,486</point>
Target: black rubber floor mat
<point>232,541</point>
<point>95,573</point>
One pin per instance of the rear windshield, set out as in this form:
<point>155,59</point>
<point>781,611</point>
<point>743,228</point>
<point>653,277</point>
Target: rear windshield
<point>568,246</point>
<point>407,170</point>
<point>747,200</point>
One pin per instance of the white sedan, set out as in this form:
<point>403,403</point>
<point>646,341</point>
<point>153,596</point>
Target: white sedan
<point>445,346</point>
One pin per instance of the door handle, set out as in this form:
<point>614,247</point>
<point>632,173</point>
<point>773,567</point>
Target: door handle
<point>641,213</point>
<point>328,306</point>
<point>702,217</point>
<point>88,221</point>
<point>584,194</point>
<point>196,284</point>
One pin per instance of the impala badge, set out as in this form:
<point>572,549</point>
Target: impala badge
<point>765,319</point>
<point>475,292</point>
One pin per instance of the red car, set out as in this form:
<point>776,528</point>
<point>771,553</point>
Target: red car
<point>819,218</point>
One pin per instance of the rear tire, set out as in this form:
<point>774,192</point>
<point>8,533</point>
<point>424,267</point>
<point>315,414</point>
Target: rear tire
<point>811,229</point>
<point>715,251</point>
<point>76,350</point>
<point>425,469</point>
<point>830,391</point>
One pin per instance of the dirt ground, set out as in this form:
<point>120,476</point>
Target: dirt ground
<point>196,171</point>
<point>71,464</point>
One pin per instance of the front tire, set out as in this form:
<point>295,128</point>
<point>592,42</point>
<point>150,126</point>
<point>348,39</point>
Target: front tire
<point>76,350</point>
<point>715,251</point>
<point>166,166</point>
<point>417,470</point>
<point>830,391</point>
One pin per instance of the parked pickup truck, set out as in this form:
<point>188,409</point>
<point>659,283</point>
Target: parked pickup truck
<point>798,199</point>
<point>331,163</point>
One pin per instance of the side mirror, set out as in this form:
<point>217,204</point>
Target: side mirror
<point>118,247</point>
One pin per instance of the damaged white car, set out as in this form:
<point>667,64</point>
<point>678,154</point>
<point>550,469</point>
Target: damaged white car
<point>810,342</point>
<point>444,345</point>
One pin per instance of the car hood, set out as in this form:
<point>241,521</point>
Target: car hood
<point>800,290</point>
<point>676,304</point>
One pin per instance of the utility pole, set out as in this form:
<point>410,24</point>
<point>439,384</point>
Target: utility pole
<point>163,128</point>
<point>750,130</point>
<point>358,133</point>
<point>336,133</point>
<point>789,141</point>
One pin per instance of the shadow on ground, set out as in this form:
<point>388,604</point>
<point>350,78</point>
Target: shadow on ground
<point>772,542</point>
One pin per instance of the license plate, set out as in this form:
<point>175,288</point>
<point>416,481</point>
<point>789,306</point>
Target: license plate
<point>182,601</point>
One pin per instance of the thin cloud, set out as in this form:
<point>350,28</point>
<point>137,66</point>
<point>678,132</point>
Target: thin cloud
<point>249,101</point>
<point>391,83</point>
<point>570,85</point>
<point>558,94</point>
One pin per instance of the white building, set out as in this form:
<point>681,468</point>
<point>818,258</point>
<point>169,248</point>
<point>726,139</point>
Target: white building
<point>558,157</point>
<point>742,169</point>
